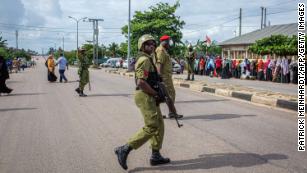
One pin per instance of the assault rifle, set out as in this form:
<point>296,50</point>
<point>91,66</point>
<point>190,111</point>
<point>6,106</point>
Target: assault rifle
<point>169,102</point>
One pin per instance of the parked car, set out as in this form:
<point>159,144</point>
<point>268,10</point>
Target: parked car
<point>125,64</point>
<point>118,65</point>
<point>110,62</point>
<point>176,67</point>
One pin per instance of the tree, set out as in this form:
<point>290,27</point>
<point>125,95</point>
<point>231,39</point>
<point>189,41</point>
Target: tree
<point>157,21</point>
<point>22,54</point>
<point>213,49</point>
<point>123,49</point>
<point>102,51</point>
<point>113,50</point>
<point>2,42</point>
<point>280,45</point>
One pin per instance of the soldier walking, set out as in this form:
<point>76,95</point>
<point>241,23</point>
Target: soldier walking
<point>164,68</point>
<point>190,57</point>
<point>83,72</point>
<point>147,100</point>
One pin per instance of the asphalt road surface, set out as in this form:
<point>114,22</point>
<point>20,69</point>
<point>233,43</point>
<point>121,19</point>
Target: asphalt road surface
<point>46,128</point>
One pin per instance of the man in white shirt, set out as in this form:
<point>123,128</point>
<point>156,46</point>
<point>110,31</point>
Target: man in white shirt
<point>63,64</point>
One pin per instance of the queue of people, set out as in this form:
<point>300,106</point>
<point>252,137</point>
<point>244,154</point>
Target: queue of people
<point>282,70</point>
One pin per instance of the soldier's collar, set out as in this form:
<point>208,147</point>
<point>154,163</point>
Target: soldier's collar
<point>144,54</point>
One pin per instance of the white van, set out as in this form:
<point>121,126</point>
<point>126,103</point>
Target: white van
<point>111,62</point>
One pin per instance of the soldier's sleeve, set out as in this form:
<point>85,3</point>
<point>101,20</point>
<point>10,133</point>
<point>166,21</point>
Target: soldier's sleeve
<point>160,56</point>
<point>142,68</point>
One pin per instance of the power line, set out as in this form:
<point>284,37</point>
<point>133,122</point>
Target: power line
<point>212,26</point>
<point>281,3</point>
<point>287,11</point>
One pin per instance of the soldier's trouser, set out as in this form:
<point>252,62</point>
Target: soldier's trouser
<point>153,130</point>
<point>190,68</point>
<point>170,88</point>
<point>84,79</point>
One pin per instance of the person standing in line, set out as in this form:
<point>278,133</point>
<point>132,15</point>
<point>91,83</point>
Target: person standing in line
<point>62,64</point>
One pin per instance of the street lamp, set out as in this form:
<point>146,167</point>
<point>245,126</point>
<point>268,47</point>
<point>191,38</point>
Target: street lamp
<point>129,43</point>
<point>77,20</point>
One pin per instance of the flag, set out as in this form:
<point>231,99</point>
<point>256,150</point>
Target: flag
<point>208,41</point>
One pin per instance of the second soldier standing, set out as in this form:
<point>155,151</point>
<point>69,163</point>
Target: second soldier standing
<point>165,69</point>
<point>83,72</point>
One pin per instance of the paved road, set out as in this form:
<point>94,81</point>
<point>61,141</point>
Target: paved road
<point>46,128</point>
<point>290,88</point>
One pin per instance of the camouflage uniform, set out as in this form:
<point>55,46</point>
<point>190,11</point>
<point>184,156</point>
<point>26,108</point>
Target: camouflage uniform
<point>190,57</point>
<point>83,73</point>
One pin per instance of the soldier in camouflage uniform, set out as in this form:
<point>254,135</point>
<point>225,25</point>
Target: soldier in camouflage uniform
<point>83,72</point>
<point>190,57</point>
<point>147,100</point>
<point>165,69</point>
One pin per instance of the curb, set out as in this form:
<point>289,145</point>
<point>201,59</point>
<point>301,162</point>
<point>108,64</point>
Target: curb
<point>241,95</point>
<point>246,96</point>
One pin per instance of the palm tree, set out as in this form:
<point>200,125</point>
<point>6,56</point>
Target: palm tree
<point>2,42</point>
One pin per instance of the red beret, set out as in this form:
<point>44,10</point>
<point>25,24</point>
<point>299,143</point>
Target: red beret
<point>165,37</point>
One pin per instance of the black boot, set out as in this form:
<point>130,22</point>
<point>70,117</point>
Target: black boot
<point>77,90</point>
<point>157,159</point>
<point>173,115</point>
<point>81,94</point>
<point>122,154</point>
<point>192,77</point>
<point>7,90</point>
<point>188,78</point>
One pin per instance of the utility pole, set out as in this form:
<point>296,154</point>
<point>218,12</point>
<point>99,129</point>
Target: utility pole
<point>77,21</point>
<point>16,39</point>
<point>261,26</point>
<point>240,22</point>
<point>63,45</point>
<point>129,43</point>
<point>95,38</point>
<point>264,23</point>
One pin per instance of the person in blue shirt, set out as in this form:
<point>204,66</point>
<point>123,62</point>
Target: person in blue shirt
<point>63,64</point>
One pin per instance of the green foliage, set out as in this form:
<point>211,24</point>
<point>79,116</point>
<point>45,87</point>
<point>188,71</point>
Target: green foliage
<point>213,49</point>
<point>22,53</point>
<point>113,50</point>
<point>123,49</point>
<point>157,21</point>
<point>2,42</point>
<point>280,45</point>
<point>70,56</point>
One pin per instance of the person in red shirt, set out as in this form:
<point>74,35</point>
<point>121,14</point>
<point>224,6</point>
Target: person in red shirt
<point>201,65</point>
<point>260,69</point>
<point>218,65</point>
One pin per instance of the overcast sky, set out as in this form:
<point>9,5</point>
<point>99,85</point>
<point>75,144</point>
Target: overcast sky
<point>43,23</point>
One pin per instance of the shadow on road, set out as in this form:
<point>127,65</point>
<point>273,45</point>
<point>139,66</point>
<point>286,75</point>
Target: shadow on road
<point>215,117</point>
<point>25,94</point>
<point>210,161</point>
<point>16,109</point>
<point>200,101</point>
<point>109,95</point>
<point>13,81</point>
